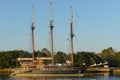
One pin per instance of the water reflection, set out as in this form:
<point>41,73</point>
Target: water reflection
<point>45,78</point>
<point>88,76</point>
<point>59,78</point>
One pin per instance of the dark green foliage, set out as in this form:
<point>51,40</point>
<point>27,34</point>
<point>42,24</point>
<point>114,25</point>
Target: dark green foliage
<point>8,59</point>
<point>110,56</point>
<point>60,57</point>
<point>117,57</point>
<point>87,58</point>
<point>43,53</point>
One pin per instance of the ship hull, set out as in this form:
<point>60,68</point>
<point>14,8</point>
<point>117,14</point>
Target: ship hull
<point>55,71</point>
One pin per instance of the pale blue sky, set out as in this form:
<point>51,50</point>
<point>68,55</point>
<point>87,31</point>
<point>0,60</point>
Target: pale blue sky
<point>97,28</point>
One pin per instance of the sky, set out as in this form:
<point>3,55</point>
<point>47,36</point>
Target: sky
<point>96,24</point>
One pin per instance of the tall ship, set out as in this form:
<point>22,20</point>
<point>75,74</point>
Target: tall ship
<point>53,68</point>
<point>37,65</point>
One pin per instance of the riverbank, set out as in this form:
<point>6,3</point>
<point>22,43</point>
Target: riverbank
<point>5,72</point>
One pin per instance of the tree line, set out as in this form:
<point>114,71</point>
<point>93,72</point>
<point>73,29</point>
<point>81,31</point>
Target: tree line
<point>8,59</point>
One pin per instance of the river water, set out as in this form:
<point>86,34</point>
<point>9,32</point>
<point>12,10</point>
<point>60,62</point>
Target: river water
<point>90,76</point>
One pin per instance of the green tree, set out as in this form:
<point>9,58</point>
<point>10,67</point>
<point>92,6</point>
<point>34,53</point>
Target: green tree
<point>60,57</point>
<point>117,57</point>
<point>45,52</point>
<point>109,56</point>
<point>88,58</point>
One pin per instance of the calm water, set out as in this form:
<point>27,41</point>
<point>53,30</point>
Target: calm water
<point>90,76</point>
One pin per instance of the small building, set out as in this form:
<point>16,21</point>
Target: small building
<point>38,62</point>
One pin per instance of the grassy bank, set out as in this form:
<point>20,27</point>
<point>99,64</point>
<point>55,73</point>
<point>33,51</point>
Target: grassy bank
<point>116,71</point>
<point>5,71</point>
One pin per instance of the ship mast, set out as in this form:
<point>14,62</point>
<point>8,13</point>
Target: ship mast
<point>51,32</point>
<point>71,37</point>
<point>32,29</point>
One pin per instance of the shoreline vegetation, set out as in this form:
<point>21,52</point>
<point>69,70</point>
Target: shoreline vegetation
<point>8,59</point>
